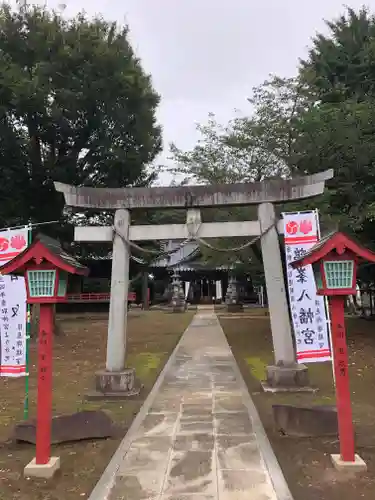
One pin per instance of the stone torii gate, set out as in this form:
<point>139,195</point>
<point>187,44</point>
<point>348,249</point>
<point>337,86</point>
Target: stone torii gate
<point>117,380</point>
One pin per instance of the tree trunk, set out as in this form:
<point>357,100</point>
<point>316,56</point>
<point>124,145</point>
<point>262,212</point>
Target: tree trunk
<point>57,330</point>
<point>145,302</point>
<point>35,315</point>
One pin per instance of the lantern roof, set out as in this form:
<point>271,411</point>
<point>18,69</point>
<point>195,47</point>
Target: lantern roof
<point>335,241</point>
<point>44,248</point>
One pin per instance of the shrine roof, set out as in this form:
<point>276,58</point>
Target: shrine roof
<point>44,248</point>
<point>200,265</point>
<point>178,253</point>
<point>185,258</point>
<point>334,241</point>
<point>323,240</point>
<point>54,246</point>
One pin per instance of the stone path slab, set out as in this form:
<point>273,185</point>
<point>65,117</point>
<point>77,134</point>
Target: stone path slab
<point>198,435</point>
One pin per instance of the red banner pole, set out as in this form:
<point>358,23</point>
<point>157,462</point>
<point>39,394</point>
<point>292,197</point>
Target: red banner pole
<point>340,353</point>
<point>44,404</point>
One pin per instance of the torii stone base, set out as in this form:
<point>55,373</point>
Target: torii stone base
<point>293,378</point>
<point>178,308</point>
<point>234,308</point>
<point>114,385</point>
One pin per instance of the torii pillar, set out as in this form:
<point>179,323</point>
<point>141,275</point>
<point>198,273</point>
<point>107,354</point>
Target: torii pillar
<point>285,373</point>
<point>118,381</point>
<point>118,307</point>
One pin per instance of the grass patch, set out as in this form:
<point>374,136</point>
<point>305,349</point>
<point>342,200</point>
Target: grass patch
<point>257,367</point>
<point>145,362</point>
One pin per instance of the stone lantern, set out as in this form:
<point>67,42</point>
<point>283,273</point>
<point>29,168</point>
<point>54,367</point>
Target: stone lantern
<point>232,299</point>
<point>178,302</point>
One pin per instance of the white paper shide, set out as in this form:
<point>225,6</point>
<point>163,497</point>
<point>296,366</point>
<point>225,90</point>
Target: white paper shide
<point>307,308</point>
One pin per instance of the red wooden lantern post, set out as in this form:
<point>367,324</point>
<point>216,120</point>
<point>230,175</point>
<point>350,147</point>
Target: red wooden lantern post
<point>334,261</point>
<point>44,407</point>
<point>45,266</point>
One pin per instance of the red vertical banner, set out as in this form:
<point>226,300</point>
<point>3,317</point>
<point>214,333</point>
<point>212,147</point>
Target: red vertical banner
<point>341,367</point>
<point>44,409</point>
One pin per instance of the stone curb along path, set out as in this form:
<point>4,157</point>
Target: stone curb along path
<point>198,435</point>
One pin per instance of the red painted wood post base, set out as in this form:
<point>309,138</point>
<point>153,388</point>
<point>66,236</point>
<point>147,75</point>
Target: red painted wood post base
<point>44,403</point>
<point>340,353</point>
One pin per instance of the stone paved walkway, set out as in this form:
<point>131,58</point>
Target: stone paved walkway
<point>196,439</point>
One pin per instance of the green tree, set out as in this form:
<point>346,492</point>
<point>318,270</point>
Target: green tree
<point>77,107</point>
<point>265,145</point>
<point>337,130</point>
<point>340,65</point>
<point>228,154</point>
<point>276,106</point>
<point>342,137</point>
<point>14,176</point>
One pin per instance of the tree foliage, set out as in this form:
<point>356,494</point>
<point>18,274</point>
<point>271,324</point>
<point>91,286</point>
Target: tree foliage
<point>223,155</point>
<point>227,154</point>
<point>76,107</point>
<point>277,105</point>
<point>340,65</point>
<point>341,136</point>
<point>338,128</point>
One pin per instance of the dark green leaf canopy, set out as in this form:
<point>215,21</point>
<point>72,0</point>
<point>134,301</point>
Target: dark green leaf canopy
<point>75,106</point>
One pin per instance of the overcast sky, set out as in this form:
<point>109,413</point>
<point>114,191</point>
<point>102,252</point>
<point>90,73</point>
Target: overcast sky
<point>205,55</point>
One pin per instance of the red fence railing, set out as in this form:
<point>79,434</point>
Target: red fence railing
<point>95,297</point>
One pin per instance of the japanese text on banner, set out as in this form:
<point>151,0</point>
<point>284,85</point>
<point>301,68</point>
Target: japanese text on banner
<point>12,308</point>
<point>12,326</point>
<point>307,308</point>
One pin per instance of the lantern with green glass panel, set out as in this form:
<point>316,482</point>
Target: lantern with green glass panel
<point>336,274</point>
<point>334,261</point>
<point>46,267</point>
<point>46,284</point>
